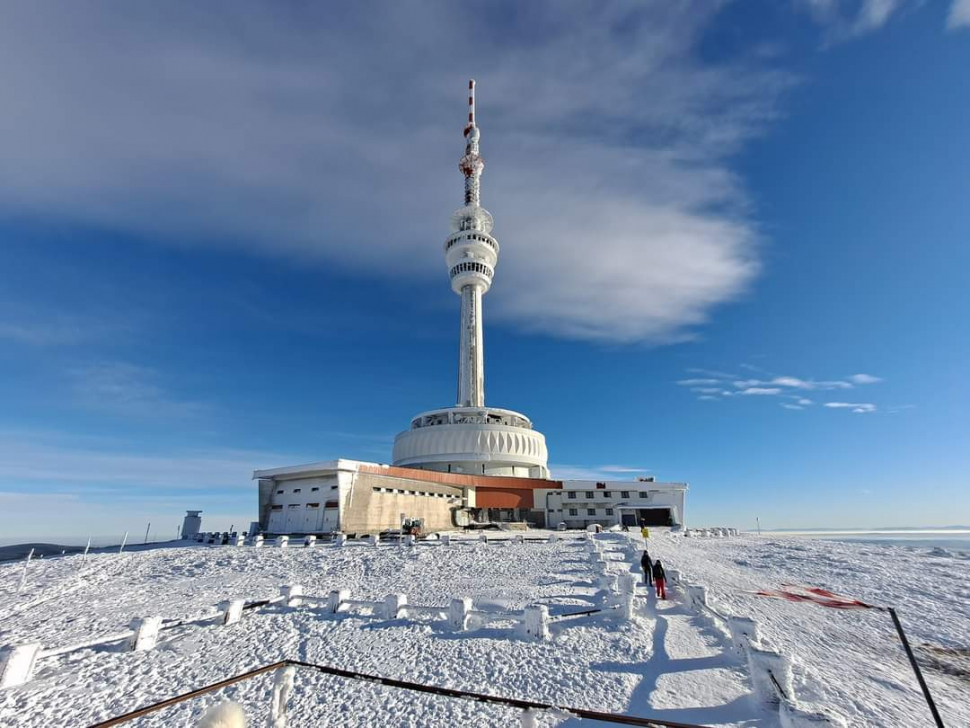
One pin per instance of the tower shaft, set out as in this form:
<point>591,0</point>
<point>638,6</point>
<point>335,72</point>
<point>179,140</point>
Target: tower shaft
<point>471,360</point>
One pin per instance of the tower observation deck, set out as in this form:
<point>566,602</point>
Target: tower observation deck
<point>470,437</point>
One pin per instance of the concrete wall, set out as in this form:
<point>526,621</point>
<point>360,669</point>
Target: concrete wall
<point>374,503</point>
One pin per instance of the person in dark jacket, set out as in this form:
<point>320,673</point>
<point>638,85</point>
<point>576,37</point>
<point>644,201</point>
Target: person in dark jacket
<point>660,579</point>
<point>647,565</point>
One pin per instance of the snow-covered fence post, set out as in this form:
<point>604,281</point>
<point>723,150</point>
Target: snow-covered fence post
<point>446,539</point>
<point>23,575</point>
<point>627,606</point>
<point>744,631</point>
<point>282,541</point>
<point>336,598</point>
<point>394,606</point>
<point>697,595</point>
<point>458,614</point>
<point>282,687</point>
<point>626,584</point>
<point>17,664</point>
<point>409,540</point>
<point>529,718</point>
<point>374,539</point>
<point>673,576</point>
<point>146,633</point>
<point>237,540</point>
<point>257,540</point>
<point>518,538</point>
<point>535,622</point>
<point>340,540</point>
<point>231,610</point>
<point>86,549</point>
<point>771,674</point>
<point>292,594</point>
<point>483,538</point>
<point>310,541</point>
<point>553,537</point>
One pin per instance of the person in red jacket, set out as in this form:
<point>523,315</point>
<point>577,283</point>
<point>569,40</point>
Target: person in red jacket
<point>660,579</point>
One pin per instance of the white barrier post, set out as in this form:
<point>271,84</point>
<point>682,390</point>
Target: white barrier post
<point>483,538</point>
<point>23,576</point>
<point>535,622</point>
<point>282,541</point>
<point>627,606</point>
<point>282,687</point>
<point>409,540</point>
<point>673,576</point>
<point>146,633</point>
<point>310,542</point>
<point>237,540</point>
<point>458,614</point>
<point>553,537</point>
<point>518,538</point>
<point>257,540</point>
<point>292,594</point>
<point>529,718</point>
<point>446,539</point>
<point>231,610</point>
<point>17,664</point>
<point>340,541</point>
<point>394,606</point>
<point>771,674</point>
<point>374,539</point>
<point>697,595</point>
<point>336,598</point>
<point>744,631</point>
<point>627,584</point>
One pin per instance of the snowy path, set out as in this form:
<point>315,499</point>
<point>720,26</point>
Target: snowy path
<point>692,676</point>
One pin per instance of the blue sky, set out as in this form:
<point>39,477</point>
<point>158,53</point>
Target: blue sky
<point>734,249</point>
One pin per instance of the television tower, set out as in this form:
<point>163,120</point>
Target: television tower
<point>471,254</point>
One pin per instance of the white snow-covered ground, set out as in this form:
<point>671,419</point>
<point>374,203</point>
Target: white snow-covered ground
<point>669,664</point>
<point>850,661</point>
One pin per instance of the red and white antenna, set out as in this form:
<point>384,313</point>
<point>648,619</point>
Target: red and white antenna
<point>471,106</point>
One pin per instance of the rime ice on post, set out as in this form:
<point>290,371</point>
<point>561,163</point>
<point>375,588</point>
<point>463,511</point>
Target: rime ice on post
<point>17,664</point>
<point>310,541</point>
<point>232,610</point>
<point>146,633</point>
<point>336,598</point>
<point>458,614</point>
<point>394,606</point>
<point>282,687</point>
<point>341,540</point>
<point>292,594</point>
<point>535,622</point>
<point>374,539</point>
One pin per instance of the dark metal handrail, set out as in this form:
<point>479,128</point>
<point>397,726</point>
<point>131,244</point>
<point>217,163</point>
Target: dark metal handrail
<point>403,684</point>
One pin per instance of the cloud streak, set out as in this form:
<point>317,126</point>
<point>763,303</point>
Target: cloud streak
<point>333,138</point>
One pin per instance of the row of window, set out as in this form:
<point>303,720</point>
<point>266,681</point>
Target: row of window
<point>590,494</point>
<point>400,491</point>
<point>480,238</point>
<point>589,511</point>
<point>471,266</point>
<point>298,490</point>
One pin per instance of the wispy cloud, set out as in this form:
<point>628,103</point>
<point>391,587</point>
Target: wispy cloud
<point>859,408</point>
<point>775,385</point>
<point>846,19</point>
<point>129,390</point>
<point>959,16</point>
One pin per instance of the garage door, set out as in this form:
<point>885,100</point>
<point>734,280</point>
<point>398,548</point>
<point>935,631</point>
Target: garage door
<point>277,520</point>
<point>294,518</point>
<point>311,518</point>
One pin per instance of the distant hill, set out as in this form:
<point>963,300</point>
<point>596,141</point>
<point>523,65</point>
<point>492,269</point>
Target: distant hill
<point>20,550</point>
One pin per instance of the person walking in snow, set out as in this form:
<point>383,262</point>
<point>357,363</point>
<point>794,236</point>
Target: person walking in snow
<point>647,565</point>
<point>660,578</point>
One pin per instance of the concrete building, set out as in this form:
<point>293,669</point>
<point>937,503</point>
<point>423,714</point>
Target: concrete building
<point>191,524</point>
<point>465,463</point>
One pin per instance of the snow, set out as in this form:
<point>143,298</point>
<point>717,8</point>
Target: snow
<point>670,662</point>
<point>849,662</point>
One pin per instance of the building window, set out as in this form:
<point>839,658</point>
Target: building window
<point>609,511</point>
<point>276,508</point>
<point>572,494</point>
<point>572,511</point>
<point>607,493</point>
<point>314,490</point>
<point>644,494</point>
<point>376,490</point>
<point>590,494</point>
<point>591,511</point>
<point>279,492</point>
<point>296,490</point>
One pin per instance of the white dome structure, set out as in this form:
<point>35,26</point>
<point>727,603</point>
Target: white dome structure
<point>470,437</point>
